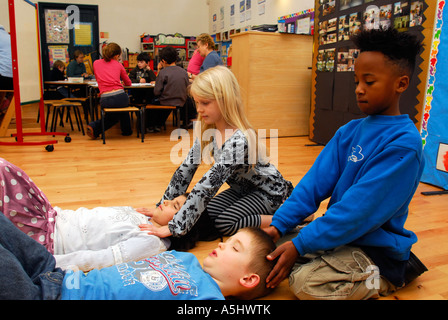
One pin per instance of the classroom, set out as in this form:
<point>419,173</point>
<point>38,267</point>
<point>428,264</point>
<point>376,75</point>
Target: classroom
<point>102,113</point>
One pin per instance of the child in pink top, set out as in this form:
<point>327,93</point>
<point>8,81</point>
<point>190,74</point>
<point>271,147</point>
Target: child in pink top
<point>109,73</point>
<point>195,64</point>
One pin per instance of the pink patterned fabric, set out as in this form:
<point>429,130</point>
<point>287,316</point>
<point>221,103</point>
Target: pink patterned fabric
<point>22,202</point>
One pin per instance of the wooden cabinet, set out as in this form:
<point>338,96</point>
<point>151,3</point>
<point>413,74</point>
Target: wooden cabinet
<point>274,72</point>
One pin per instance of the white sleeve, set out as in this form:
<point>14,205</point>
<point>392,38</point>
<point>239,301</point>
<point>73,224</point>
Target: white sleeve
<point>133,249</point>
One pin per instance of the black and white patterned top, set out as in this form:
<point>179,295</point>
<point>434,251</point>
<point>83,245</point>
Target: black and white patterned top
<point>231,165</point>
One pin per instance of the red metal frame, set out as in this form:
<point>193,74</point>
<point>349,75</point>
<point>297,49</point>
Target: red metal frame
<point>18,109</point>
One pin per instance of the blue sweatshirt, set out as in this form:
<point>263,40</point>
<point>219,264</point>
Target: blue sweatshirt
<point>370,169</point>
<point>169,275</point>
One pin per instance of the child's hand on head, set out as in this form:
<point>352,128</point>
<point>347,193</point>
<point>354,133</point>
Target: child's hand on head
<point>165,212</point>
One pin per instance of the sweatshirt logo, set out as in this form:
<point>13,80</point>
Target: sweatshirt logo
<point>356,154</point>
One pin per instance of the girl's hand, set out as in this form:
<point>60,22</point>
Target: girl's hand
<point>161,232</point>
<point>145,227</point>
<point>147,212</point>
<point>287,255</point>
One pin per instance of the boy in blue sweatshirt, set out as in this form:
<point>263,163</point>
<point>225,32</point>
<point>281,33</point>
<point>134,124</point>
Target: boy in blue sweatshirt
<point>370,169</point>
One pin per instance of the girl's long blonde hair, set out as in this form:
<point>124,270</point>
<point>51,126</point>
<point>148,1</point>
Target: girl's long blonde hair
<point>220,84</point>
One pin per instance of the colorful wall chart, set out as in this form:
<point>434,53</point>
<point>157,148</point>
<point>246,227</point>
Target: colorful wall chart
<point>56,26</point>
<point>435,117</point>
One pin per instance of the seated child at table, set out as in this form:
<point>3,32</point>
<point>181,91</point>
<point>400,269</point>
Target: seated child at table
<point>236,268</point>
<point>57,74</point>
<point>170,89</point>
<point>109,74</point>
<point>194,65</point>
<point>142,73</point>
<point>87,238</point>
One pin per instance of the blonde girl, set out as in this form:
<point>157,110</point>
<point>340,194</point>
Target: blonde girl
<point>229,144</point>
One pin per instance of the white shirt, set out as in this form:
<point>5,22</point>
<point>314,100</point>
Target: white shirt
<point>101,237</point>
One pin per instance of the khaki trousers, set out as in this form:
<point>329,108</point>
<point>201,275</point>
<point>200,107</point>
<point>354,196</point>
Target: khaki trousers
<point>345,273</point>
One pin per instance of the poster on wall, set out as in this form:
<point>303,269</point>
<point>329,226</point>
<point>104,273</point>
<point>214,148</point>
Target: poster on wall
<point>242,10</point>
<point>248,10</point>
<point>261,7</point>
<point>58,53</point>
<point>83,34</point>
<point>56,26</point>
<point>435,117</point>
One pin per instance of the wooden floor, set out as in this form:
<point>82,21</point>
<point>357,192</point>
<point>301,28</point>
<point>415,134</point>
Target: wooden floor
<point>126,171</point>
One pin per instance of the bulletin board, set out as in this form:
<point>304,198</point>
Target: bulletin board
<point>435,116</point>
<point>59,40</point>
<point>333,99</point>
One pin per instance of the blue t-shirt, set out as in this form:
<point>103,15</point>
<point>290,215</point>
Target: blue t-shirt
<point>170,275</point>
<point>210,61</point>
<point>370,169</point>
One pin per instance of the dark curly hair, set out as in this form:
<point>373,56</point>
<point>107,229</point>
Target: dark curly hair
<point>169,54</point>
<point>401,48</point>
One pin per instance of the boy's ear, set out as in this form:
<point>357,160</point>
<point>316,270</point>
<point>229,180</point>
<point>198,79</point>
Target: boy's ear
<point>402,83</point>
<point>250,281</point>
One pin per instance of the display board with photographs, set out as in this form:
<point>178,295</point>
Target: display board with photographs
<point>336,21</point>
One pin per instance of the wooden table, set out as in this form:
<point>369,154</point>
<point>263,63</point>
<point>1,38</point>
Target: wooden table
<point>70,84</point>
<point>91,88</point>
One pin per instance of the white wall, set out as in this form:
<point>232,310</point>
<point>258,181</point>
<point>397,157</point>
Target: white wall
<point>127,20</point>
<point>272,11</point>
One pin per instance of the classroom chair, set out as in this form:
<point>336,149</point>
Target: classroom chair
<point>159,107</point>
<point>59,107</point>
<point>140,116</point>
<point>176,113</point>
<point>85,105</point>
